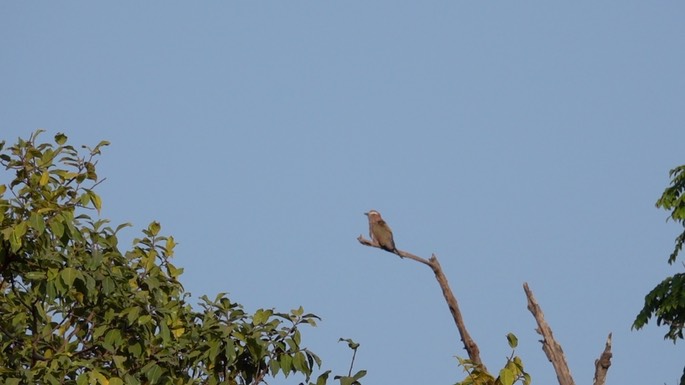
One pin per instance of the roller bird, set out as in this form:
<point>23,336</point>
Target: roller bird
<point>380,232</point>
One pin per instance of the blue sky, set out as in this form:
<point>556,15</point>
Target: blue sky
<point>518,141</point>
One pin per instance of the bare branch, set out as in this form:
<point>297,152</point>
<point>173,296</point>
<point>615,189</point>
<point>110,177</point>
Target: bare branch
<point>469,344</point>
<point>400,253</point>
<point>603,363</point>
<point>549,345</point>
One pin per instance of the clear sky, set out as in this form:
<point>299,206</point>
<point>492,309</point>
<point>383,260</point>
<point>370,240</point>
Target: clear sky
<point>518,141</point>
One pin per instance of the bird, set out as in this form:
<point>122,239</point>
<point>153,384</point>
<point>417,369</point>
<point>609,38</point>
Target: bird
<point>380,232</point>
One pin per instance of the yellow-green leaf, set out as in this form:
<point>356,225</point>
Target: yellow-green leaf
<point>169,248</point>
<point>18,232</point>
<point>261,316</point>
<point>154,373</point>
<point>177,332</point>
<point>57,227</point>
<point>20,229</point>
<point>44,178</point>
<point>506,377</point>
<point>37,222</point>
<point>68,276</point>
<point>97,201</point>
<point>174,271</point>
<point>82,379</point>
<point>47,157</point>
<point>154,228</point>
<point>513,341</point>
<point>144,319</point>
<point>84,199</point>
<point>99,378</point>
<point>60,138</point>
<point>150,260</point>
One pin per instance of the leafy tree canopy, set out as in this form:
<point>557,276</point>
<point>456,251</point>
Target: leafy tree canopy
<point>75,309</point>
<point>666,301</point>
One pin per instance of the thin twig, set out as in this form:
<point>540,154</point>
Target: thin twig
<point>354,354</point>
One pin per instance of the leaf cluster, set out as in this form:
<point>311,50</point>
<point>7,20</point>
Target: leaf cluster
<point>75,309</point>
<point>673,199</point>
<point>666,301</point>
<point>511,373</point>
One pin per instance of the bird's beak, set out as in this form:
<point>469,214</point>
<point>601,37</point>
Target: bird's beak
<point>367,214</point>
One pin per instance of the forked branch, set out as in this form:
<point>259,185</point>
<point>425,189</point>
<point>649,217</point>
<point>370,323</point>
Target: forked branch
<point>554,352</point>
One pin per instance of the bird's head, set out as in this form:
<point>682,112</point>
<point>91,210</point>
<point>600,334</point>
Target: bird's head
<point>373,215</point>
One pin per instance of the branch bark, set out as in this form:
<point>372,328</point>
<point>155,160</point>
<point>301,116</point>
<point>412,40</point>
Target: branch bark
<point>469,344</point>
<point>603,363</point>
<point>549,345</point>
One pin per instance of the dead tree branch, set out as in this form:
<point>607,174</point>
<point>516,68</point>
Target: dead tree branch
<point>603,363</point>
<point>549,345</point>
<point>469,344</point>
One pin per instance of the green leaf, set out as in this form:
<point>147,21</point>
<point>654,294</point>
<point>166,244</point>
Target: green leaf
<point>261,316</point>
<point>113,337</point>
<point>169,247</point>
<point>96,200</point>
<point>154,228</point>
<point>50,379</point>
<point>44,178</point>
<point>85,198</point>
<point>164,333</point>
<point>136,349</point>
<point>286,362</point>
<point>98,378</point>
<point>300,362</point>
<point>116,381</point>
<point>60,138</point>
<point>274,368</point>
<point>36,275</point>
<point>37,223</point>
<point>513,341</point>
<point>68,276</point>
<point>153,373</point>
<point>120,362</point>
<point>359,374</point>
<point>506,377</point>
<point>351,344</point>
<point>56,227</point>
<point>90,171</point>
<point>18,232</point>
<point>99,331</point>
<point>144,319</point>
<point>347,380</point>
<point>132,314</point>
<point>321,380</point>
<point>47,157</point>
<point>108,286</point>
<point>174,272</point>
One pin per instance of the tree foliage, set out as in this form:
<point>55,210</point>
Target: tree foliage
<point>511,373</point>
<point>666,301</point>
<point>75,309</point>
